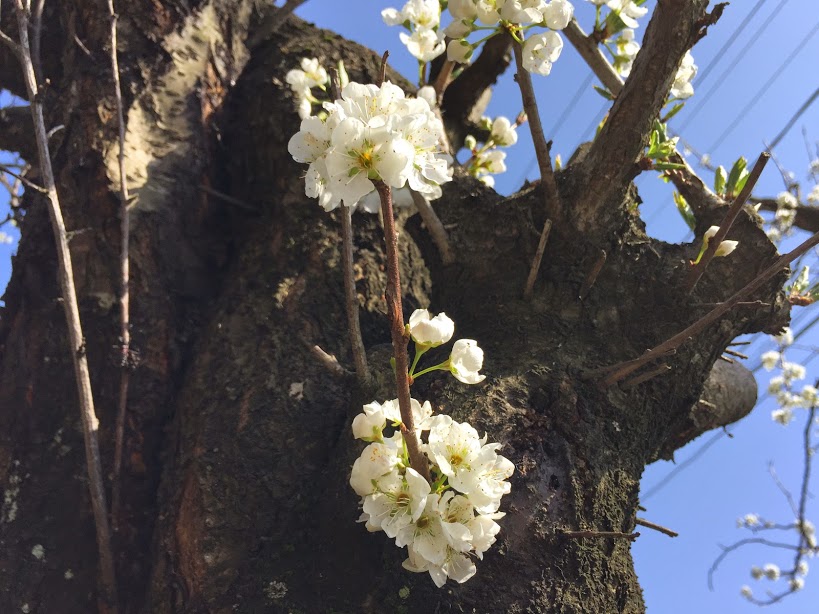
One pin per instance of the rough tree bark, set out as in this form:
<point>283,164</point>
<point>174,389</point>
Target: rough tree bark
<point>235,495</point>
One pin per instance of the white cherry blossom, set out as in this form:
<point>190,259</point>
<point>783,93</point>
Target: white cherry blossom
<point>429,331</point>
<point>466,360</point>
<point>541,51</point>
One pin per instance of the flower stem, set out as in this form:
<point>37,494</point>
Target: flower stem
<point>444,366</point>
<point>398,333</point>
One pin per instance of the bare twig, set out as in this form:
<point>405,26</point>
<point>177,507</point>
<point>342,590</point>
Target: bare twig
<point>714,243</point>
<point>434,226</point>
<point>399,340</point>
<point>90,423</point>
<point>329,362</point>
<point>650,525</point>
<point>23,180</point>
<point>600,535</point>
<point>272,22</point>
<point>124,279</point>
<point>621,370</point>
<point>589,51</point>
<point>536,261</point>
<point>726,550</point>
<point>382,73</point>
<point>644,377</point>
<point>735,353</point>
<point>591,277</point>
<point>231,200</point>
<point>442,80</point>
<point>350,293</point>
<point>551,195</point>
<point>785,492</point>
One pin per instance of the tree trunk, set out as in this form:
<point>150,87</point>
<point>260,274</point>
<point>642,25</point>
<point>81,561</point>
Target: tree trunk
<point>235,494</point>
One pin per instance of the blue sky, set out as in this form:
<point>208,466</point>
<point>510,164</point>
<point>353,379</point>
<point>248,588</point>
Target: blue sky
<point>731,478</point>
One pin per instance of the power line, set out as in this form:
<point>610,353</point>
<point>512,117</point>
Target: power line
<point>682,466</point>
<point>731,66</point>
<point>559,123</point>
<point>729,43</point>
<point>793,119</point>
<point>754,99</point>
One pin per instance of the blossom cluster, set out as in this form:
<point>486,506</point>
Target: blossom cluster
<point>303,81</point>
<point>770,571</point>
<point>783,386</point>
<point>782,226</point>
<point>371,133</point>
<point>448,522</point>
<point>425,39</point>
<point>540,51</point>
<point>487,159</point>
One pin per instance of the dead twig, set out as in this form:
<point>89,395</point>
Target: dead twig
<point>434,226</point>
<point>650,525</point>
<point>329,362</point>
<point>644,377</point>
<point>592,275</point>
<point>536,261</point>
<point>350,294</point>
<point>90,423</point>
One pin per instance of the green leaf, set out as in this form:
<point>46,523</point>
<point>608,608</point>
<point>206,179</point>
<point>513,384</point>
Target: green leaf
<point>719,180</point>
<point>604,93</point>
<point>685,210</point>
<point>734,176</point>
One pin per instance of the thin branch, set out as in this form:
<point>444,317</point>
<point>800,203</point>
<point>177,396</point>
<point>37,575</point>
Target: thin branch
<point>274,20</point>
<point>350,294</point>
<point>90,423</point>
<point>231,200</point>
<point>650,525</point>
<point>644,377</point>
<point>442,80</point>
<point>398,333</point>
<point>590,52</point>
<point>536,261</point>
<point>329,362</point>
<point>434,226</point>
<point>551,195</point>
<point>382,72</point>
<point>621,370</point>
<point>785,492</point>
<point>697,271</point>
<point>23,180</point>
<point>726,550</point>
<point>124,279</point>
<point>591,277</point>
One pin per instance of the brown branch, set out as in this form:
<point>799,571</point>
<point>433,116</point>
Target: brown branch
<point>382,72</point>
<point>807,217</point>
<point>124,278</point>
<point>350,293</point>
<point>434,226</point>
<point>697,271</point>
<point>23,180</point>
<point>231,200</point>
<point>465,98</point>
<point>272,21</point>
<point>90,423</point>
<point>536,261</point>
<point>398,333</point>
<point>621,370</point>
<point>329,362</point>
<point>592,275</point>
<point>551,195</point>
<point>644,377</point>
<point>608,167</point>
<point>650,525</point>
<point>590,52</point>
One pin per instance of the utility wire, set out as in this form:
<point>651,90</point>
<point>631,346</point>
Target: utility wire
<point>793,119</point>
<point>731,66</point>
<point>559,123</point>
<point>729,43</point>
<point>754,98</point>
